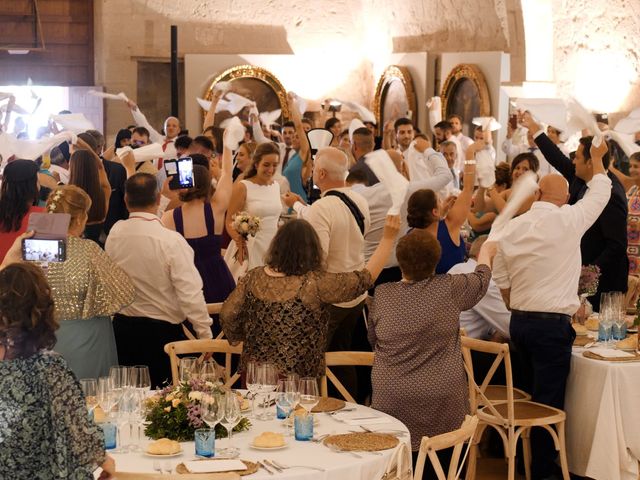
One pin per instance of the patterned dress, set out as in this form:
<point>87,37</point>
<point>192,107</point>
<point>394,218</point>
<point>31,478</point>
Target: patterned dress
<point>284,320</point>
<point>418,374</point>
<point>45,432</point>
<point>633,230</point>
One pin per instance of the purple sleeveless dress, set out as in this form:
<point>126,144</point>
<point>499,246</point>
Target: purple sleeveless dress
<point>217,281</point>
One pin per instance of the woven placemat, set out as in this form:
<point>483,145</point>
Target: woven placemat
<point>328,404</point>
<point>595,356</point>
<point>251,468</point>
<point>582,340</point>
<point>362,442</point>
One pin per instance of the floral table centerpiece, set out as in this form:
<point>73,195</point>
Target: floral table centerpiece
<point>587,287</point>
<point>176,412</point>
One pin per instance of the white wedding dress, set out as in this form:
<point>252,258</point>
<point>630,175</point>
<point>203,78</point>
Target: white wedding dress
<point>262,201</point>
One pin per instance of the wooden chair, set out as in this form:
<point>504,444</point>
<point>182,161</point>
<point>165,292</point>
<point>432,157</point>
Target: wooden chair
<point>495,393</point>
<point>174,349</point>
<point>212,309</point>
<point>429,446</point>
<point>342,359</point>
<point>510,419</point>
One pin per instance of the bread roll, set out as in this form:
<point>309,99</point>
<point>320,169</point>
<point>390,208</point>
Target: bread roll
<point>592,323</point>
<point>580,329</point>
<point>629,343</point>
<point>269,440</point>
<point>164,446</point>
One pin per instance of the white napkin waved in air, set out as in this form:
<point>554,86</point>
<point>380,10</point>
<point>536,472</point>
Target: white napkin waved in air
<point>521,191</point>
<point>487,123</point>
<point>630,124</point>
<point>384,168</point>
<point>31,149</point>
<point>233,134</point>
<point>300,102</point>
<point>355,124</point>
<point>74,122</point>
<point>629,147</point>
<point>269,118</point>
<point>142,154</point>
<point>109,96</point>
<point>552,111</point>
<point>366,115</point>
<point>416,164</point>
<point>434,104</point>
<point>212,466</point>
<point>579,118</point>
<point>485,168</point>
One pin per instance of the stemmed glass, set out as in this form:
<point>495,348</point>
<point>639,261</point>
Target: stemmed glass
<point>268,380</point>
<point>252,369</point>
<point>90,390</point>
<point>286,399</point>
<point>188,367</point>
<point>230,419</point>
<point>143,378</point>
<point>309,393</point>
<point>120,377</point>
<point>208,372</point>
<point>618,307</point>
<point>213,410</point>
<point>606,317</point>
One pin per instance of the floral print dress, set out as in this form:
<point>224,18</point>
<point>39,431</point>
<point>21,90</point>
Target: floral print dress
<point>45,432</point>
<point>633,230</point>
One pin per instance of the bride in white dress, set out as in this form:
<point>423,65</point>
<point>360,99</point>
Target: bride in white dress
<point>258,194</point>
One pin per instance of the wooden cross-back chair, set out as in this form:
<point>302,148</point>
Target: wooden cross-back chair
<point>203,346</point>
<point>430,446</point>
<point>511,419</point>
<point>212,309</point>
<point>343,359</point>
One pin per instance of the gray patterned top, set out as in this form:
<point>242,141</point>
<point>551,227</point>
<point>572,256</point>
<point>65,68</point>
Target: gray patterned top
<point>45,432</point>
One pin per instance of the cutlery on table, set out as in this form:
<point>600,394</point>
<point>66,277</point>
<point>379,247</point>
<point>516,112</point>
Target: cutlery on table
<point>265,467</point>
<point>157,467</point>
<point>335,449</point>
<point>273,465</point>
<point>297,466</point>
<point>395,433</point>
<point>320,438</point>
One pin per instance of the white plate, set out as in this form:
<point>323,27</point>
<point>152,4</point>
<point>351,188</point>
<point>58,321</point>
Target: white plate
<point>269,448</point>
<point>155,455</point>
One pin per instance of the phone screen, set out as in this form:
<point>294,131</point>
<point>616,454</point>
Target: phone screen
<point>182,172</point>
<point>39,250</point>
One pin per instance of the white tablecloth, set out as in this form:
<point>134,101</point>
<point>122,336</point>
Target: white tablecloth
<point>339,466</point>
<point>603,418</point>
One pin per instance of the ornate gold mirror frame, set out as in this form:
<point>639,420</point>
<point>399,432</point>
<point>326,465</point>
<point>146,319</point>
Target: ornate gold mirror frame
<point>465,71</point>
<point>393,73</point>
<point>259,73</point>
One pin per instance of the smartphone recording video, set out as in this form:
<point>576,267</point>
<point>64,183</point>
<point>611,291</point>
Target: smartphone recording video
<point>40,250</point>
<point>182,172</point>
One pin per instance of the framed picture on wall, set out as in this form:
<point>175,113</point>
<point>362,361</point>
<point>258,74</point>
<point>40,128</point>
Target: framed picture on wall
<point>465,93</point>
<point>395,96</point>
<point>254,83</point>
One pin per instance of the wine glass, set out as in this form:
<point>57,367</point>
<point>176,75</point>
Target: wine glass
<point>135,411</point>
<point>230,419</point>
<point>143,378</point>
<point>90,391</point>
<point>309,393</point>
<point>188,368</point>
<point>208,372</point>
<point>284,402</point>
<point>268,376</point>
<point>606,317</point>
<point>252,378</point>
<point>120,381</point>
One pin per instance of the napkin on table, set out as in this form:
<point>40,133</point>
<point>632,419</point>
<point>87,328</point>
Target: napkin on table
<point>212,466</point>
<point>610,352</point>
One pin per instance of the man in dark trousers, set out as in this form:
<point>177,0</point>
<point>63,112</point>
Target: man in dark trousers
<point>605,243</point>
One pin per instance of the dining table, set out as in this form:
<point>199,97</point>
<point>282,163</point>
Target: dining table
<point>311,460</point>
<point>602,403</point>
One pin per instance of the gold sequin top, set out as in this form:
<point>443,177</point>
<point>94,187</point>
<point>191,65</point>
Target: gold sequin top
<point>88,284</point>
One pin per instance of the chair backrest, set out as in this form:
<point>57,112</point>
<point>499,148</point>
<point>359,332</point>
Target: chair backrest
<point>341,359</point>
<point>477,390</point>
<point>429,446</point>
<point>174,349</point>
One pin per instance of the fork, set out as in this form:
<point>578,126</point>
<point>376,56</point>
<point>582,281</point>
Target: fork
<point>335,449</point>
<point>285,467</point>
<point>157,467</point>
<point>320,438</point>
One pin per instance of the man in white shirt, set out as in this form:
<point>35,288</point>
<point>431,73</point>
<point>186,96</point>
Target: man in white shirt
<point>490,315</point>
<point>512,150</point>
<point>537,269</point>
<point>456,132</point>
<point>160,264</point>
<point>341,219</point>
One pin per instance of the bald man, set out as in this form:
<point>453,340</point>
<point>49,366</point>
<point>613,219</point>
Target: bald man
<point>341,220</point>
<point>537,269</point>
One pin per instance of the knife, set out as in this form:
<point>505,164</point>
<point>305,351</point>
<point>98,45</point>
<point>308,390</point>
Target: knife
<point>265,467</point>
<point>273,465</point>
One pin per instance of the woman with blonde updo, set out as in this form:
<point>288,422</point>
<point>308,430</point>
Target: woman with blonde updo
<point>87,289</point>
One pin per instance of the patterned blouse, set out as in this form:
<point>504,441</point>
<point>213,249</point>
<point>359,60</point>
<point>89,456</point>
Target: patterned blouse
<point>45,432</point>
<point>284,320</point>
<point>633,230</point>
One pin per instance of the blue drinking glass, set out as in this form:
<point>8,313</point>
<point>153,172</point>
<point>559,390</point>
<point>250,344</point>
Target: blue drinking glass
<point>303,427</point>
<point>109,430</point>
<point>205,442</point>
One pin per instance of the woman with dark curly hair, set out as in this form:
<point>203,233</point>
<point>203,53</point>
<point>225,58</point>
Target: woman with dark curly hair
<point>280,311</point>
<point>18,198</point>
<point>483,214</point>
<point>45,430</point>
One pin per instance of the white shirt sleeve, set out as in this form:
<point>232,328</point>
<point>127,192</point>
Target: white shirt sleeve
<point>258,134</point>
<point>587,210</point>
<point>301,209</point>
<point>141,121</point>
<point>493,310</point>
<point>319,218</point>
<point>188,286</point>
<point>499,271</point>
<point>441,174</point>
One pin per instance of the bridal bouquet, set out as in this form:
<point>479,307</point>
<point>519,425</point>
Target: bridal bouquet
<point>245,225</point>
<point>176,412</point>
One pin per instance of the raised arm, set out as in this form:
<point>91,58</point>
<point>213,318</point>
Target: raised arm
<point>209,118</point>
<point>222,197</point>
<point>458,213</point>
<point>305,149</point>
<point>626,181</point>
<point>441,173</point>
<point>387,136</point>
<point>141,121</point>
